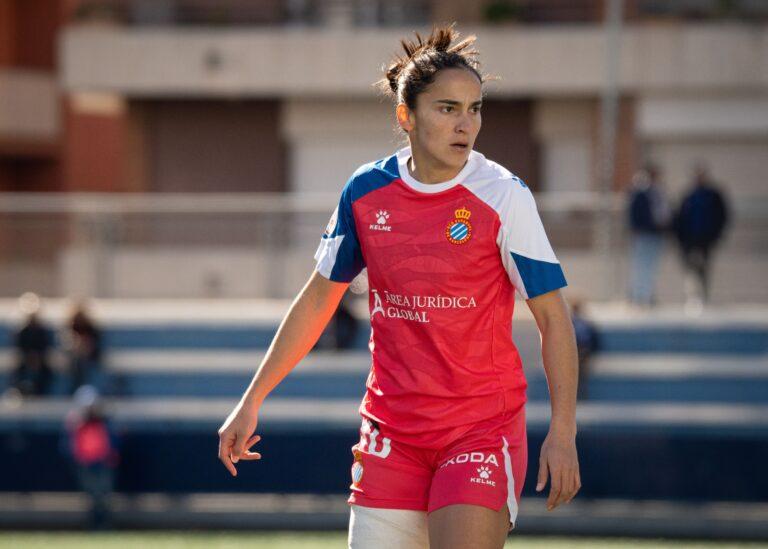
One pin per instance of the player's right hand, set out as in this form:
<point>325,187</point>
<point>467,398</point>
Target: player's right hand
<point>236,437</point>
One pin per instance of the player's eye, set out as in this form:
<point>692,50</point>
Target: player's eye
<point>475,109</point>
<point>446,108</point>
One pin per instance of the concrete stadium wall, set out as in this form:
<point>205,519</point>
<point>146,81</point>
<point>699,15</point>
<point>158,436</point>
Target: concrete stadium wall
<point>546,59</point>
<point>729,134</point>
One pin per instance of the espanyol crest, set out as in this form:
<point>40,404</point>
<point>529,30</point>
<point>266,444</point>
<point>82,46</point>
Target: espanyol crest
<point>357,468</point>
<point>459,230</point>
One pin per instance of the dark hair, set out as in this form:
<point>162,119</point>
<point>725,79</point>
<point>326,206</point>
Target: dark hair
<point>408,75</point>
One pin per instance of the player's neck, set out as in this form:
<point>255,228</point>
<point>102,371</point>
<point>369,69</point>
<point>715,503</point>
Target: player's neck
<point>424,169</point>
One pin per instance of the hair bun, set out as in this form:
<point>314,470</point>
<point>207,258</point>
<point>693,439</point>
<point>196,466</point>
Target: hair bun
<point>423,57</point>
<point>441,38</point>
<point>393,73</point>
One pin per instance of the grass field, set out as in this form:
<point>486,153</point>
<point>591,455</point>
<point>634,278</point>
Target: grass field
<point>318,540</point>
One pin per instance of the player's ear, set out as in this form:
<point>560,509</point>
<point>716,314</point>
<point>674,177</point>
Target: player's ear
<point>404,117</point>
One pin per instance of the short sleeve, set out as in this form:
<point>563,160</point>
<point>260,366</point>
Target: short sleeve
<point>339,257</point>
<point>525,250</point>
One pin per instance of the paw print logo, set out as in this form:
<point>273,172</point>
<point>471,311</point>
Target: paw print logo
<point>484,472</point>
<point>382,216</point>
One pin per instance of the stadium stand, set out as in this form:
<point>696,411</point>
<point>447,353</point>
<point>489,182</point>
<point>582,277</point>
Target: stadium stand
<point>667,393</point>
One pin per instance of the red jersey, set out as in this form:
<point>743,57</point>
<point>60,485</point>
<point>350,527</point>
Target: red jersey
<point>443,262</point>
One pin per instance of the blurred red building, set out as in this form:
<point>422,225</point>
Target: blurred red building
<point>48,140</point>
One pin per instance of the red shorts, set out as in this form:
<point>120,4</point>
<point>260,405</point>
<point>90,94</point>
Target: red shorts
<point>485,466</point>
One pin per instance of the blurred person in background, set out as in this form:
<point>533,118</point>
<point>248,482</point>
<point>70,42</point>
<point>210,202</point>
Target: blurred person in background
<point>341,332</point>
<point>699,224</point>
<point>447,237</point>
<point>33,342</point>
<point>649,216</point>
<point>345,325</point>
<point>586,343</point>
<point>84,347</point>
<point>92,447</point>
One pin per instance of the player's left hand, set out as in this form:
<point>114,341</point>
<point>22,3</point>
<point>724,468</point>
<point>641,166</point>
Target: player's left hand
<point>559,462</point>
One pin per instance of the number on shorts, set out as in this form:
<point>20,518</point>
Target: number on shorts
<point>369,436</point>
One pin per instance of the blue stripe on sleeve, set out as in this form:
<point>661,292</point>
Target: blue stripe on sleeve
<point>373,176</point>
<point>539,277</point>
<point>349,259</point>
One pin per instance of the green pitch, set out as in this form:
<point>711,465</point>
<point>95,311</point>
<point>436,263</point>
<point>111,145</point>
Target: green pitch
<point>311,540</point>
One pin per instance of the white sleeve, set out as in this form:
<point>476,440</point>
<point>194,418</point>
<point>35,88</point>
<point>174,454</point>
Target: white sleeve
<point>525,250</point>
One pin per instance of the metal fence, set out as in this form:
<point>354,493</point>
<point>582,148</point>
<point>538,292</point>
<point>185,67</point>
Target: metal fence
<point>262,245</point>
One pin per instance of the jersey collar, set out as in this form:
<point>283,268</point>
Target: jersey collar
<point>404,154</point>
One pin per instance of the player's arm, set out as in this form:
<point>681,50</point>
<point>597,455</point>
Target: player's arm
<point>299,331</point>
<point>558,458</point>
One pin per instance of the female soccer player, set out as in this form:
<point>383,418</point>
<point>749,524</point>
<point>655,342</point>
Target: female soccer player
<point>447,237</point>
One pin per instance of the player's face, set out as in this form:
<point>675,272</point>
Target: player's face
<point>445,123</point>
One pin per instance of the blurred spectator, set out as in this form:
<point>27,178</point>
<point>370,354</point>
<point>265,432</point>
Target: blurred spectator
<point>92,447</point>
<point>345,325</point>
<point>699,224</point>
<point>83,340</point>
<point>32,375</point>
<point>586,344</point>
<point>649,216</point>
<point>341,331</point>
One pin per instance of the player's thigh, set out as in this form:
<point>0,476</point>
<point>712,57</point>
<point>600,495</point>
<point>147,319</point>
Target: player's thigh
<point>373,528</point>
<point>460,526</point>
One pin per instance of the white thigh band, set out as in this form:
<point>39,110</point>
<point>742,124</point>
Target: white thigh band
<point>371,528</point>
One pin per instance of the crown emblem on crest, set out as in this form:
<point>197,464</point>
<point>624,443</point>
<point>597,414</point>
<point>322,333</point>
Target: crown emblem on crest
<point>463,213</point>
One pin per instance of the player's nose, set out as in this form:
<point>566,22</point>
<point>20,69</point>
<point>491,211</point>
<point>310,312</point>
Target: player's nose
<point>463,123</point>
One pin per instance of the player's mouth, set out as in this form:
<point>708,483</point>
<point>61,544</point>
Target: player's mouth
<point>460,147</point>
